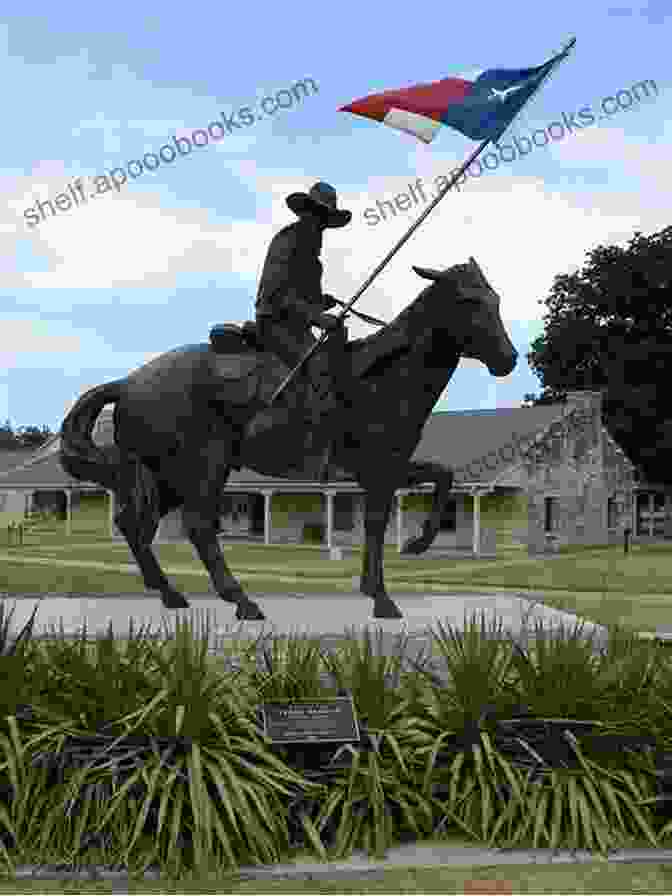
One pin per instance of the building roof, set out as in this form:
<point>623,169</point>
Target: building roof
<point>480,445</point>
<point>9,460</point>
<point>44,473</point>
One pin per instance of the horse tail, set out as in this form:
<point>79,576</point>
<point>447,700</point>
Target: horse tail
<point>79,456</point>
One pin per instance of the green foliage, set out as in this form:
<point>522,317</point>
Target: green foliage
<point>284,506</point>
<point>297,503</point>
<point>609,326</point>
<point>313,533</point>
<point>24,437</point>
<point>417,503</point>
<point>154,749</point>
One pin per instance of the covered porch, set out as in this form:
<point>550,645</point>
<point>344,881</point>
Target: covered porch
<point>282,512</point>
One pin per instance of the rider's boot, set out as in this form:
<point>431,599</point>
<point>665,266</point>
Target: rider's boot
<point>335,410</point>
<point>299,412</point>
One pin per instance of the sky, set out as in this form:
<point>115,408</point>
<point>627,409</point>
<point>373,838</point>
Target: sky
<point>91,292</point>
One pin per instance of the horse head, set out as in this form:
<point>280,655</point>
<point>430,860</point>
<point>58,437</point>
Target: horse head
<point>465,307</point>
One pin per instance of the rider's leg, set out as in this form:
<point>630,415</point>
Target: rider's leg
<point>342,386</point>
<point>290,344</point>
<point>321,409</point>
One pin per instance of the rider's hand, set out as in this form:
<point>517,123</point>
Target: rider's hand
<point>328,322</point>
<point>328,301</point>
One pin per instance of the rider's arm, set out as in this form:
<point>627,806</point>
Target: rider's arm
<point>310,310</point>
<point>278,268</point>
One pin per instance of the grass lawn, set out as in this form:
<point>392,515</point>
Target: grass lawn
<point>595,877</point>
<point>602,584</point>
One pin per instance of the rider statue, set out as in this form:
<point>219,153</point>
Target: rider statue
<point>290,300</point>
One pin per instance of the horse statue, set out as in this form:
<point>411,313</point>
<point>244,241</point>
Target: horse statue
<point>178,418</point>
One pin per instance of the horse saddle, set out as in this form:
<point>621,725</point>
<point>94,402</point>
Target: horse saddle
<point>231,338</point>
<point>235,359</point>
<point>239,358</point>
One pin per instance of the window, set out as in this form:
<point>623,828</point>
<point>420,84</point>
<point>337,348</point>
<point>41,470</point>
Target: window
<point>612,513</point>
<point>449,517</point>
<point>550,514</point>
<point>344,513</point>
<point>651,514</point>
<point>644,514</point>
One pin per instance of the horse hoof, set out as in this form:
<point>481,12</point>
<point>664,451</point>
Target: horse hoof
<point>415,546</point>
<point>385,608</point>
<point>249,610</point>
<point>174,600</point>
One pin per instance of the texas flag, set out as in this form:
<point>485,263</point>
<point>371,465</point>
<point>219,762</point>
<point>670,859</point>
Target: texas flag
<point>480,107</point>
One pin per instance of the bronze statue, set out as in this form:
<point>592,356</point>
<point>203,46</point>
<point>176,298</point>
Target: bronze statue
<point>290,300</point>
<point>177,418</point>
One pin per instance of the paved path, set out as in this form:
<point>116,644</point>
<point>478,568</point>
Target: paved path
<point>360,865</point>
<point>326,616</point>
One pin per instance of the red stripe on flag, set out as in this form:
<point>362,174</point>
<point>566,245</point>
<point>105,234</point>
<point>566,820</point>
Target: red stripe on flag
<point>430,100</point>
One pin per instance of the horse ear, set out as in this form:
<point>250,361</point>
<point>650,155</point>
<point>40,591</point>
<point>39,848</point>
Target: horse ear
<point>427,273</point>
<point>476,266</point>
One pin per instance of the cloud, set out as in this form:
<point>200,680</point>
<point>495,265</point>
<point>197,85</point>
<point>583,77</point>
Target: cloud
<point>19,338</point>
<point>122,240</point>
<point>522,230</point>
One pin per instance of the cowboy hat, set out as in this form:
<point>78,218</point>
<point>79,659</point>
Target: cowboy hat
<point>320,199</point>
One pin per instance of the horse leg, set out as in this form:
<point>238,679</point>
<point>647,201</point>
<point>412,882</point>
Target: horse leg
<point>199,523</point>
<point>202,493</point>
<point>139,534</point>
<point>443,479</point>
<point>376,515</point>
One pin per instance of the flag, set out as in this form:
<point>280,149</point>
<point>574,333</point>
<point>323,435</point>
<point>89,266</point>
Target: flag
<point>480,107</point>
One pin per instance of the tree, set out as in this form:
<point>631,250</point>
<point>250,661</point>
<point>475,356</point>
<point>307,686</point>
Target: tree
<point>32,437</point>
<point>7,437</point>
<point>609,327</point>
<point>24,437</point>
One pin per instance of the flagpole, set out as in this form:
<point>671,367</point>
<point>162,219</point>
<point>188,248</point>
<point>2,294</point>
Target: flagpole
<point>411,230</point>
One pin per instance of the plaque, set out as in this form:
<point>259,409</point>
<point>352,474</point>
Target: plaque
<point>310,721</point>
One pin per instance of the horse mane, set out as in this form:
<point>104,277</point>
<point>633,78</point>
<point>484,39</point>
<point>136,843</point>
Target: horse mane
<point>399,322</point>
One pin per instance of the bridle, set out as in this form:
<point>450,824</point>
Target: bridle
<point>364,317</point>
<point>374,320</point>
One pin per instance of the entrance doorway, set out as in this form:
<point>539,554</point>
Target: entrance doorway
<point>256,514</point>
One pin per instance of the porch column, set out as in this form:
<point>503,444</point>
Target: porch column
<point>477,524</point>
<point>400,521</point>
<point>268,496</point>
<point>110,498</point>
<point>68,512</point>
<point>330,518</point>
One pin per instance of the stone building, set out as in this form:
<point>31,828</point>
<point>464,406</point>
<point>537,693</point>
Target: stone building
<point>536,477</point>
<point>580,485</point>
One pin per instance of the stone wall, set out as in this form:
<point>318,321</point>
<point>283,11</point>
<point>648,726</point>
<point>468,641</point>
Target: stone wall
<point>579,467</point>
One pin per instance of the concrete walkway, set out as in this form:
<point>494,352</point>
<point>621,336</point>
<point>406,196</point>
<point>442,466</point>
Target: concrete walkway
<point>359,865</point>
<point>433,855</point>
<point>326,616</point>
